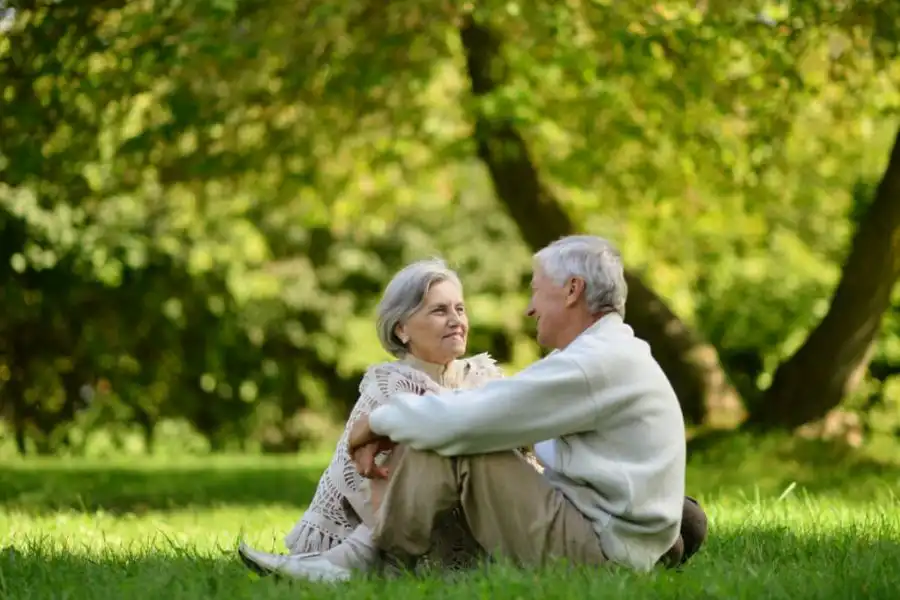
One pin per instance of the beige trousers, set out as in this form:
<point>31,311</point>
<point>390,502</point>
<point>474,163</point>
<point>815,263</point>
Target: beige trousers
<point>511,510</point>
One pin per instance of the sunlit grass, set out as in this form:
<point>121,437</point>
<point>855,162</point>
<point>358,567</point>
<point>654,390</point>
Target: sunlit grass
<point>144,529</point>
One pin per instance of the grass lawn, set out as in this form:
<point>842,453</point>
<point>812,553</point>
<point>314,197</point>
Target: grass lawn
<point>787,521</point>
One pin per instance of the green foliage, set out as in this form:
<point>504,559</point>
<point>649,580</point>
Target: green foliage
<point>719,152</point>
<point>201,201</point>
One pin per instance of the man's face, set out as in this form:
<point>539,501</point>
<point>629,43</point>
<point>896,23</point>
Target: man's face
<point>548,305</point>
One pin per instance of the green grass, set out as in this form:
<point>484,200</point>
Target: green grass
<point>787,521</point>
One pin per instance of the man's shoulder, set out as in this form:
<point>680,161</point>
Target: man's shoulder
<point>610,352</point>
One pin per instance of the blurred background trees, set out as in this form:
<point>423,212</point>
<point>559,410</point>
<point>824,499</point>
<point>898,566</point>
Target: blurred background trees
<point>201,201</point>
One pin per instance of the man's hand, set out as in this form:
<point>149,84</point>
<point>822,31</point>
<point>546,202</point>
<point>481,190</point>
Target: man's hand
<point>364,445</point>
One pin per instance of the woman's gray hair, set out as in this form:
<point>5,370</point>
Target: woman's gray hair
<point>593,259</point>
<point>404,295</point>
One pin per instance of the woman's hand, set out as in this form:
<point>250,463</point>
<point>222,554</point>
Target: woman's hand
<point>361,434</point>
<point>364,459</point>
<point>364,445</point>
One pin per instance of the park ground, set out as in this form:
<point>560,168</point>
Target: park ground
<point>788,520</point>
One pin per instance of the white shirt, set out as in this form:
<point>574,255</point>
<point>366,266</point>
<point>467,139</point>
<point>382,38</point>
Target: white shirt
<point>545,451</point>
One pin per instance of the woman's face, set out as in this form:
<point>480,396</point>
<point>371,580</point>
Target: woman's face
<point>438,331</point>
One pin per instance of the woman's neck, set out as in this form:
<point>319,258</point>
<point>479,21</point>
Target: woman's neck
<point>440,373</point>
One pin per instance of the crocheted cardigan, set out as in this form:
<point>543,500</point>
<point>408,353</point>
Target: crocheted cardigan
<point>340,497</point>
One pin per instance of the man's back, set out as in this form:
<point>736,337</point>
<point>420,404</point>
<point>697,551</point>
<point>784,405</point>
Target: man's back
<point>626,473</point>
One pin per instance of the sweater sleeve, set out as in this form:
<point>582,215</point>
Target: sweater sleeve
<point>548,399</point>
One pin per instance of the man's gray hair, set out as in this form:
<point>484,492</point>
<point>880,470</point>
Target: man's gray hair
<point>593,259</point>
<point>404,296</point>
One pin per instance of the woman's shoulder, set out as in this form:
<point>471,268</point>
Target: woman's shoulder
<point>391,376</point>
<point>390,367</point>
<point>395,376</point>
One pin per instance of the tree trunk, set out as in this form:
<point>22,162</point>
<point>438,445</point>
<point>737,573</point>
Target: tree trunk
<point>21,438</point>
<point>692,366</point>
<point>831,360</point>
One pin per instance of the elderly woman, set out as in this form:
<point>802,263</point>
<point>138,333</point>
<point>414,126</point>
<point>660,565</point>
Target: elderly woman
<point>422,321</point>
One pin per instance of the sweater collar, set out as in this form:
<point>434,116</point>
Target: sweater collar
<point>603,324</point>
<point>607,320</point>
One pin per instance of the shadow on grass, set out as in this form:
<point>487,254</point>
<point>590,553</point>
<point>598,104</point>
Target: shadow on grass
<point>775,563</point>
<point>736,466</point>
<point>120,489</point>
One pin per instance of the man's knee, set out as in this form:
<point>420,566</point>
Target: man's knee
<point>417,458</point>
<point>418,477</point>
<point>504,462</point>
<point>430,465</point>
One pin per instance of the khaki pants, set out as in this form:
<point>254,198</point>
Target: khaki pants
<point>511,510</point>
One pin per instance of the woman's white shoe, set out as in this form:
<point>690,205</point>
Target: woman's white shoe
<point>309,565</point>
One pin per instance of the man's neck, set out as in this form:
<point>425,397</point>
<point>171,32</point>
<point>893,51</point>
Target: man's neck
<point>579,325</point>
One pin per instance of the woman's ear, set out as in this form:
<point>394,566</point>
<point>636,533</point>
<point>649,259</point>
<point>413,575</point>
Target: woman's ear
<point>401,334</point>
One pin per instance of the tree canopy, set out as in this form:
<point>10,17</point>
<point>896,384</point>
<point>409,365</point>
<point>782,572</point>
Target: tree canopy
<point>201,201</point>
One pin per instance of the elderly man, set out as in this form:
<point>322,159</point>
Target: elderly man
<point>605,420</point>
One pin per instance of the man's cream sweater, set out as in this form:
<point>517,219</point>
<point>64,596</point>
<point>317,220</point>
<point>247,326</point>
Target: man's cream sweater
<point>617,431</point>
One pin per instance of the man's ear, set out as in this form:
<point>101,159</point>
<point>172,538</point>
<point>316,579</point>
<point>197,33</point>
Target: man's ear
<point>574,290</point>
